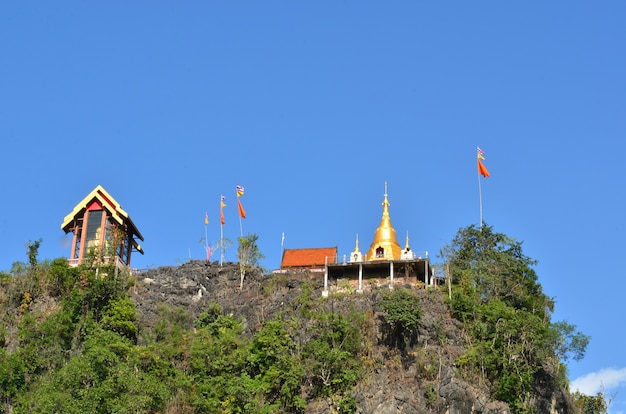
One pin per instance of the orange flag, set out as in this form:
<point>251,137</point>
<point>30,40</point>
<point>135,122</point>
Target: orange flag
<point>222,205</point>
<point>242,212</point>
<point>482,170</point>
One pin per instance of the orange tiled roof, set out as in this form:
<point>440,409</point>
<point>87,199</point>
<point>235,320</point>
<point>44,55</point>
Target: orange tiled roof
<point>308,258</point>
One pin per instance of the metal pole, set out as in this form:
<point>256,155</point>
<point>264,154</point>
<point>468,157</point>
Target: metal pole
<point>206,242</point>
<point>221,243</point>
<point>480,200</point>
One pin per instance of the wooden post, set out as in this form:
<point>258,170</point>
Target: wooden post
<point>449,280</point>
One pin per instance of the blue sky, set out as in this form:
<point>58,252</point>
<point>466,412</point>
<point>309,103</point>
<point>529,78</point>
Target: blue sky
<point>312,106</point>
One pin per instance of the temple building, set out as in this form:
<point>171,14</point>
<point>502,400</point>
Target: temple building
<point>102,231</point>
<point>385,261</point>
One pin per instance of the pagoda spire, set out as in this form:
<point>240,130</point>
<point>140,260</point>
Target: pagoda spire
<point>356,255</point>
<point>385,245</point>
<point>407,254</point>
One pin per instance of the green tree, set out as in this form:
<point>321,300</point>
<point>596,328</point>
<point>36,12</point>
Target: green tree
<point>501,304</point>
<point>568,342</point>
<point>108,376</point>
<point>248,254</point>
<point>13,376</point>
<point>332,355</point>
<point>32,250</point>
<point>275,368</point>
<point>591,404</point>
<point>61,277</point>
<point>99,287</point>
<point>490,265</point>
<point>218,367</point>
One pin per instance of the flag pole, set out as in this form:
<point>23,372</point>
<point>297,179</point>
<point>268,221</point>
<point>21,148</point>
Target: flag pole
<point>206,237</point>
<point>482,170</point>
<point>242,213</point>
<point>240,225</point>
<point>221,245</point>
<point>480,201</point>
<point>282,247</point>
<point>221,231</point>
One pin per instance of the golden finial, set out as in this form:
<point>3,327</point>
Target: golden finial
<point>356,249</point>
<point>406,247</point>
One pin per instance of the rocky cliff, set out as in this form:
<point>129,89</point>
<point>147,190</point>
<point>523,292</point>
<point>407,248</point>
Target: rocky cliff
<point>421,378</point>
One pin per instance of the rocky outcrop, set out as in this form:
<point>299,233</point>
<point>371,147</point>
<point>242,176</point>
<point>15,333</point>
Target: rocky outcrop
<point>422,379</point>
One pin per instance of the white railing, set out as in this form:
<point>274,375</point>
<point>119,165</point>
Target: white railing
<point>344,259</point>
<point>117,261</point>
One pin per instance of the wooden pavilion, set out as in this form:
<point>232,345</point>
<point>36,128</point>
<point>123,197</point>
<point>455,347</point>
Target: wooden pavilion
<point>102,230</point>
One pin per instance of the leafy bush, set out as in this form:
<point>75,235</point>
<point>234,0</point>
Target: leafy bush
<point>120,316</point>
<point>402,312</point>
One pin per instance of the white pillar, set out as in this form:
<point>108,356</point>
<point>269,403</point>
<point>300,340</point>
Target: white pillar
<point>325,291</point>
<point>360,289</point>
<point>391,275</point>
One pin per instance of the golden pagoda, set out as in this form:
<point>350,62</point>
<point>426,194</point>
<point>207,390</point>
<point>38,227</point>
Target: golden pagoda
<point>385,245</point>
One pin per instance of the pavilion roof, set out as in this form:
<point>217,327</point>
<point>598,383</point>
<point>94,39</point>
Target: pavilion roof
<point>107,202</point>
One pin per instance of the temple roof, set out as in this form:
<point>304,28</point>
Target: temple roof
<point>308,258</point>
<point>113,207</point>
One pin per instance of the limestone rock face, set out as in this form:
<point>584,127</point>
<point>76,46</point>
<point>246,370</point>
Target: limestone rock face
<point>424,380</point>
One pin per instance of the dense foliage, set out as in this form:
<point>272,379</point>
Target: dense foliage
<point>70,340</point>
<point>592,404</point>
<point>513,344</point>
<point>82,355</point>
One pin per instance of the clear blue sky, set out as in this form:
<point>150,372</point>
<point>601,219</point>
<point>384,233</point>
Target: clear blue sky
<point>312,106</point>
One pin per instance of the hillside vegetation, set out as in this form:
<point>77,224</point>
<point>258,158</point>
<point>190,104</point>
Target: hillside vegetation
<point>199,338</point>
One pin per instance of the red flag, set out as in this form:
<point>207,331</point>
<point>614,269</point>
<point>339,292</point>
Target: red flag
<point>482,170</point>
<point>242,212</point>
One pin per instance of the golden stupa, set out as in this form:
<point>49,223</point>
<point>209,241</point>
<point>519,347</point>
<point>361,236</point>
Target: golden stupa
<point>385,245</point>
